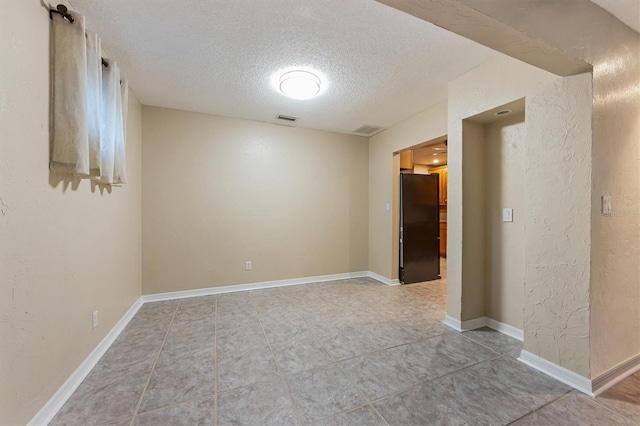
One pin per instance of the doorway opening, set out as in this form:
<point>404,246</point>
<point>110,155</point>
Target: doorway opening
<point>420,215</point>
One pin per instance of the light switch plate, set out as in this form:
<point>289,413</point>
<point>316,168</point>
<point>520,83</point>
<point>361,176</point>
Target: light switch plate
<point>507,215</point>
<point>606,205</point>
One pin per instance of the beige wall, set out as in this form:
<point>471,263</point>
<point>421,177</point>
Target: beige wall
<point>383,235</point>
<point>557,216</point>
<point>221,191</point>
<point>473,223</point>
<point>493,253</point>
<point>505,241</point>
<point>596,37</point>
<point>65,251</point>
<point>488,86</point>
<point>605,297</point>
<point>554,238</point>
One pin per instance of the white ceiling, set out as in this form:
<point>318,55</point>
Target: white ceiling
<point>218,56</point>
<point>427,154</point>
<point>628,11</point>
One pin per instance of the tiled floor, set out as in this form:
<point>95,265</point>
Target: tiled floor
<point>352,352</point>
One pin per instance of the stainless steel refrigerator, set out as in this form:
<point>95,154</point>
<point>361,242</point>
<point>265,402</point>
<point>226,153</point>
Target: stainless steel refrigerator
<point>419,228</point>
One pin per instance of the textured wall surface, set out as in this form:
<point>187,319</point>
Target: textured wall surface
<point>493,84</point>
<point>558,214</point>
<point>65,251</point>
<point>613,49</point>
<point>615,265</point>
<point>505,241</point>
<point>540,33</point>
<point>383,226</point>
<point>221,191</point>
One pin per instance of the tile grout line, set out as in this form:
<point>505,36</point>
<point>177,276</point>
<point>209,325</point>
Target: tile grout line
<point>603,406</point>
<point>368,402</point>
<point>164,407</point>
<point>461,333</point>
<point>281,375</point>
<point>357,407</point>
<point>379,350</point>
<point>540,408</point>
<point>155,362</point>
<point>336,363</point>
<point>175,404</point>
<point>366,398</point>
<point>423,382</point>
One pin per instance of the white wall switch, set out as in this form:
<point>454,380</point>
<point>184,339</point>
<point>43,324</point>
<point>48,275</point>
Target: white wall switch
<point>94,319</point>
<point>388,207</point>
<point>247,265</point>
<point>606,205</point>
<point>507,215</point>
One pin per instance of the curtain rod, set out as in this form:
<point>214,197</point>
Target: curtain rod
<point>62,10</point>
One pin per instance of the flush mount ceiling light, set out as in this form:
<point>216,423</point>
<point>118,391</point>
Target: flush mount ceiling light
<point>299,84</point>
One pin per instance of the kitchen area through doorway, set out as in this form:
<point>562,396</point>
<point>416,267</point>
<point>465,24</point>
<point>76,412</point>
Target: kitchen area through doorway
<point>423,215</point>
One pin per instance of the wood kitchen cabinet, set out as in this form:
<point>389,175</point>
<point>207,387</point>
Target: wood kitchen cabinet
<point>442,171</point>
<point>406,160</point>
<point>443,239</point>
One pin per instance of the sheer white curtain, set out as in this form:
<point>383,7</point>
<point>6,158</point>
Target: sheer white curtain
<point>89,106</point>
<point>113,165</point>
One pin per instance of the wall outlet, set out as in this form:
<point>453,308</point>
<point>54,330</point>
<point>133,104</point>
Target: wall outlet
<point>247,265</point>
<point>94,319</point>
<point>606,205</point>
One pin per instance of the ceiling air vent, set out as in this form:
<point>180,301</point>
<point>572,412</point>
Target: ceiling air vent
<point>289,118</point>
<point>367,130</point>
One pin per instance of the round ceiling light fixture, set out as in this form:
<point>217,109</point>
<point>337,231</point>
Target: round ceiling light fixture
<point>503,112</point>
<point>299,84</point>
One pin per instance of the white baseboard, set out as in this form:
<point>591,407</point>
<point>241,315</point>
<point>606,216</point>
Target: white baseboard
<point>474,324</point>
<point>507,329</point>
<point>615,375</point>
<point>567,377</point>
<point>251,286</point>
<point>590,387</point>
<point>480,322</point>
<point>55,403</point>
<point>383,280</point>
<point>453,323</point>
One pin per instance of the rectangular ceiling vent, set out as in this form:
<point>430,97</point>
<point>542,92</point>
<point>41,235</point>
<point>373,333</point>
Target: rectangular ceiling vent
<point>367,130</point>
<point>289,118</point>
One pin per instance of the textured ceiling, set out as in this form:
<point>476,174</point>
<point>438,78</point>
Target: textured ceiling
<point>218,56</point>
<point>628,11</point>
